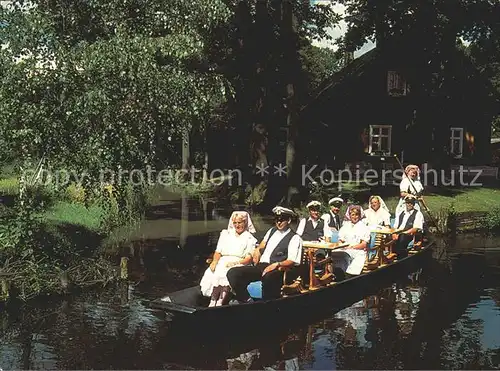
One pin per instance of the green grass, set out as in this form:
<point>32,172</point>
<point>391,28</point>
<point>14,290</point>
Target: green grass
<point>477,199</point>
<point>9,186</point>
<point>64,212</point>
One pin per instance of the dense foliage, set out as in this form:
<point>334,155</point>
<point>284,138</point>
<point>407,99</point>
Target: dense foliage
<point>93,85</point>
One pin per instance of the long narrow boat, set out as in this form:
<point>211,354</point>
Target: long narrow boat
<point>187,309</point>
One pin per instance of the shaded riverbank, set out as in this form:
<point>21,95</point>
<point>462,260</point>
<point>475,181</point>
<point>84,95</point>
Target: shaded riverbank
<point>441,317</point>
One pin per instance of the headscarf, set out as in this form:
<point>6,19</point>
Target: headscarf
<point>382,203</point>
<point>249,225</point>
<point>361,212</point>
<point>410,167</point>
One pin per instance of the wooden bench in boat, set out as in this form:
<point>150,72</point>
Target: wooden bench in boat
<point>320,275</point>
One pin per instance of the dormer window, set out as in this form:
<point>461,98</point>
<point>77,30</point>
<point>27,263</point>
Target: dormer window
<point>396,84</point>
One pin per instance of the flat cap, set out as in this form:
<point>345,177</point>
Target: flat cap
<point>280,210</point>
<point>313,203</point>
<point>411,199</point>
<point>335,200</point>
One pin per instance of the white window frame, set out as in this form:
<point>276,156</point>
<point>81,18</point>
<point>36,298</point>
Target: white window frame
<point>457,134</point>
<point>379,135</point>
<point>396,84</point>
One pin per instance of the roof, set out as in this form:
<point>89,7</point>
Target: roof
<point>470,78</point>
<point>355,69</point>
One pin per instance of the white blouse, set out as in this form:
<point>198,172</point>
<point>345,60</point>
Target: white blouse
<point>353,234</point>
<point>405,186</point>
<point>233,244</point>
<point>379,217</point>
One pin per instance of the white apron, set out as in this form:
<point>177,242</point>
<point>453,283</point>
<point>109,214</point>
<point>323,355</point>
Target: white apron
<point>219,276</point>
<point>351,261</point>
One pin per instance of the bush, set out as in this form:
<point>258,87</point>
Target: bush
<point>492,219</point>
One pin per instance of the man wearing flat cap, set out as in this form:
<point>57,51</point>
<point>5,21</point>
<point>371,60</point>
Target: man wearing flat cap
<point>411,222</point>
<point>332,218</point>
<point>280,247</point>
<point>313,228</point>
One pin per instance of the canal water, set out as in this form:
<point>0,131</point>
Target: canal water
<point>445,316</point>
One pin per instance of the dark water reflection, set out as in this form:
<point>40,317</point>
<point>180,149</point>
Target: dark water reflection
<point>445,316</point>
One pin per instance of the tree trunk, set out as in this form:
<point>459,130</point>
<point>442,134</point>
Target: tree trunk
<point>184,220</point>
<point>291,66</point>
<point>186,153</point>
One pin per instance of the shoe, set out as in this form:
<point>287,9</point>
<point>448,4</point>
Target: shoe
<point>235,302</point>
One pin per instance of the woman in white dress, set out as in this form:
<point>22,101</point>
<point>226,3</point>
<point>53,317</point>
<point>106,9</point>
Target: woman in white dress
<point>357,234</point>
<point>410,184</point>
<point>377,214</point>
<point>234,248</point>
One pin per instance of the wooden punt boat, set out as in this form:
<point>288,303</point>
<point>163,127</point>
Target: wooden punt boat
<point>187,309</point>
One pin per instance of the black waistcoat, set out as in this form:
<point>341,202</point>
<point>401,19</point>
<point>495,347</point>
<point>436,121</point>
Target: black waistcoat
<point>280,253</point>
<point>313,234</point>
<point>334,221</point>
<point>409,222</point>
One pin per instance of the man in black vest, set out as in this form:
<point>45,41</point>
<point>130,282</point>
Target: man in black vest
<point>281,247</point>
<point>333,218</point>
<point>313,228</point>
<point>411,222</point>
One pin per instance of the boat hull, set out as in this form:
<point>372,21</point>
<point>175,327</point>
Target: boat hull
<point>291,309</point>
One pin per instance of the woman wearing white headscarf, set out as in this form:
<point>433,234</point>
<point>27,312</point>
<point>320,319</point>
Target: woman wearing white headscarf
<point>410,185</point>
<point>378,213</point>
<point>234,248</point>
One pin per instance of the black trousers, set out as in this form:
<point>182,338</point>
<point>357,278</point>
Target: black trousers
<point>401,247</point>
<point>240,277</point>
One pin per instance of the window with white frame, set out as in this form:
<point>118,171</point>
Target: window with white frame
<point>396,84</point>
<point>380,139</point>
<point>456,142</point>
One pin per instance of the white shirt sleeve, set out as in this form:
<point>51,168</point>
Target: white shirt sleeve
<point>326,229</point>
<point>404,185</point>
<point>342,233</point>
<point>301,227</point>
<point>250,245</point>
<point>326,218</point>
<point>266,236</point>
<point>295,249</point>
<point>221,242</point>
<point>365,236</point>
<point>419,220</point>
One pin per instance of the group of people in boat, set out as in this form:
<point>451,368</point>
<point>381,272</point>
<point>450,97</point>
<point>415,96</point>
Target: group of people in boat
<point>237,260</point>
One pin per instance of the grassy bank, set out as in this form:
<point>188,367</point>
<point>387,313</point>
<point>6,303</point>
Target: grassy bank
<point>463,209</point>
<point>57,245</point>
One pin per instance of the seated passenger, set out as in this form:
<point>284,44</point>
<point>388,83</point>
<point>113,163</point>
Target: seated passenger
<point>332,218</point>
<point>357,234</point>
<point>281,247</point>
<point>410,222</point>
<point>377,213</point>
<point>313,228</point>
<point>234,248</point>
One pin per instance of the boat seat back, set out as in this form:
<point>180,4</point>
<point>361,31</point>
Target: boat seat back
<point>255,289</point>
<point>334,237</point>
<point>393,222</point>
<point>373,241</point>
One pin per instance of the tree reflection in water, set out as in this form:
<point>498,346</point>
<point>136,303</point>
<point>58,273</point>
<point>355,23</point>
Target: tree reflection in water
<point>441,318</point>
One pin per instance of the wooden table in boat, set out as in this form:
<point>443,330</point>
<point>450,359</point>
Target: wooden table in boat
<point>323,245</point>
<point>311,247</point>
<point>387,230</point>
